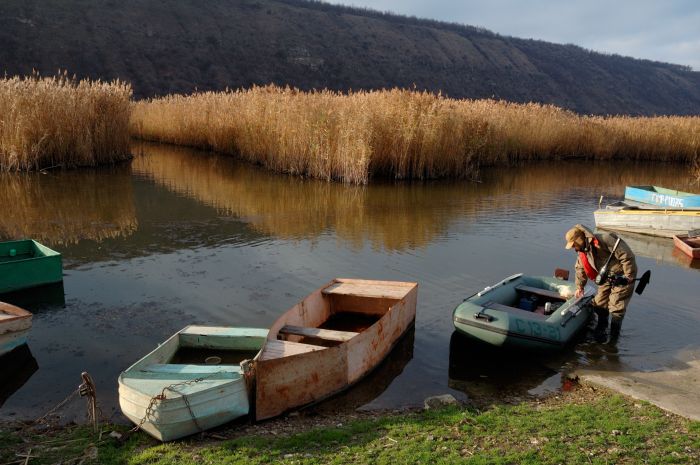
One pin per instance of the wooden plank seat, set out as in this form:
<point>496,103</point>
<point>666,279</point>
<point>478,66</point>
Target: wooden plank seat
<point>279,349</point>
<point>318,333</point>
<point>376,289</point>
<point>190,368</point>
<point>541,292</point>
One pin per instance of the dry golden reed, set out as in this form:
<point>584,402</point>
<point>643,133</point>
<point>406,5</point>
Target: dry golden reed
<point>59,121</point>
<point>399,133</point>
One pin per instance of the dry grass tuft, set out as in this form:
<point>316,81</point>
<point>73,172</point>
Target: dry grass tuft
<point>400,133</point>
<point>59,121</point>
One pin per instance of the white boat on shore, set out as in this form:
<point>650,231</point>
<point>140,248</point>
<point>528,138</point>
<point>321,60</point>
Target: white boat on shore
<point>655,221</point>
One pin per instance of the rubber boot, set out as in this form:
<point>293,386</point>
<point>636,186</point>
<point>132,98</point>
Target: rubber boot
<point>602,324</point>
<point>615,327</point>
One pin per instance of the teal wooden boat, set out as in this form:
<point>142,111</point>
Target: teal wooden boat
<point>191,382</point>
<point>662,197</point>
<point>27,263</point>
<point>514,311</point>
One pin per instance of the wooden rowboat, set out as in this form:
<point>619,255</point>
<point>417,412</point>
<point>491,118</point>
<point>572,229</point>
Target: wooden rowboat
<point>662,197</point>
<point>513,313</point>
<point>624,216</point>
<point>15,324</point>
<point>688,245</point>
<point>26,263</point>
<point>191,382</point>
<point>329,341</point>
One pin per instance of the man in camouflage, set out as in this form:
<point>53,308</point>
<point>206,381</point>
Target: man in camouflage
<point>612,298</point>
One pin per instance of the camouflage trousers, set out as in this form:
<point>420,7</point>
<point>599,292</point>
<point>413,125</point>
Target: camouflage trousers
<point>614,298</point>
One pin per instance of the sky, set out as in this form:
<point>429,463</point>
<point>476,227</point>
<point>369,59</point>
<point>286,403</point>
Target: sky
<point>667,31</point>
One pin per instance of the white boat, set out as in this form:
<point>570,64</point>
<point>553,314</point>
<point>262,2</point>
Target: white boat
<point>15,324</point>
<point>655,221</point>
<point>192,382</point>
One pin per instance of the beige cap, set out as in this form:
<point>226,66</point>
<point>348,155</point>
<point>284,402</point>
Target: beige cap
<point>574,236</point>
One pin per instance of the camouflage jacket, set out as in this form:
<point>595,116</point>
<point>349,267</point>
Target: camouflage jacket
<point>623,261</point>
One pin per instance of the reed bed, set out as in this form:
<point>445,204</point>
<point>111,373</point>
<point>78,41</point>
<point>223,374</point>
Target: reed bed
<point>62,122</point>
<point>400,133</point>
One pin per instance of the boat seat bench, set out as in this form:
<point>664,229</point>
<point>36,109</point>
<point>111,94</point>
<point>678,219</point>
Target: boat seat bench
<point>278,349</point>
<point>318,333</point>
<point>541,292</point>
<point>517,311</point>
<point>190,368</point>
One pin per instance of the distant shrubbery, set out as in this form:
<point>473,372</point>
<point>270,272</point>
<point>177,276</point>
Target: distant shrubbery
<point>59,121</point>
<point>399,133</point>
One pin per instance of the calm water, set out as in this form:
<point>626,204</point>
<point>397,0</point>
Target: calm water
<point>178,237</point>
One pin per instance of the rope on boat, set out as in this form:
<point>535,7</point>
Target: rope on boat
<point>85,389</point>
<point>159,397</point>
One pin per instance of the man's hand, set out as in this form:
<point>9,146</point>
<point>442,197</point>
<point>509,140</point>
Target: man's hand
<point>621,281</point>
<point>579,292</point>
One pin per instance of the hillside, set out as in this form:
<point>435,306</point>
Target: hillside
<point>178,46</point>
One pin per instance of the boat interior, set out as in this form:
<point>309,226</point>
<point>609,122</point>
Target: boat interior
<point>527,294</point>
<point>10,312</point>
<point>196,351</point>
<point>332,316</point>
<point>693,242</point>
<point>18,250</point>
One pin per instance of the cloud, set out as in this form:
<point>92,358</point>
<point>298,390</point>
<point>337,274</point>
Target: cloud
<point>663,31</point>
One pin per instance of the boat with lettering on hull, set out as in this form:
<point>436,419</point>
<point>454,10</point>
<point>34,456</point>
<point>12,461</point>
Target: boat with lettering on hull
<point>329,341</point>
<point>662,197</point>
<point>530,312</point>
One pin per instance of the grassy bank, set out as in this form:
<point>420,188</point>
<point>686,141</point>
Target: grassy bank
<point>399,133</point>
<point>59,121</point>
<point>593,427</point>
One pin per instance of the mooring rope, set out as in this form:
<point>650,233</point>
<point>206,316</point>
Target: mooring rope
<point>159,397</point>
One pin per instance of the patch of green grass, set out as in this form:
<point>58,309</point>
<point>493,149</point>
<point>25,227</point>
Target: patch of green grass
<point>607,429</point>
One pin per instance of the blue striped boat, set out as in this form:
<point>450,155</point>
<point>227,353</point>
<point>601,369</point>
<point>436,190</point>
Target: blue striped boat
<point>662,197</point>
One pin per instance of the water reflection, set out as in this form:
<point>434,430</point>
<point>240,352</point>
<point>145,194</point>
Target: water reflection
<point>393,216</point>
<point>37,299</point>
<point>16,368</point>
<point>659,249</point>
<point>65,207</point>
<point>486,373</point>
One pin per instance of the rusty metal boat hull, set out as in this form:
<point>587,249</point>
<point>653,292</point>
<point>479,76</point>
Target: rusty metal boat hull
<point>308,357</point>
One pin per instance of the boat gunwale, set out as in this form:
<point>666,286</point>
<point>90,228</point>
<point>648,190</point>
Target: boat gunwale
<point>44,251</point>
<point>17,312</point>
<point>274,333</point>
<point>162,346</point>
<point>691,250</point>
